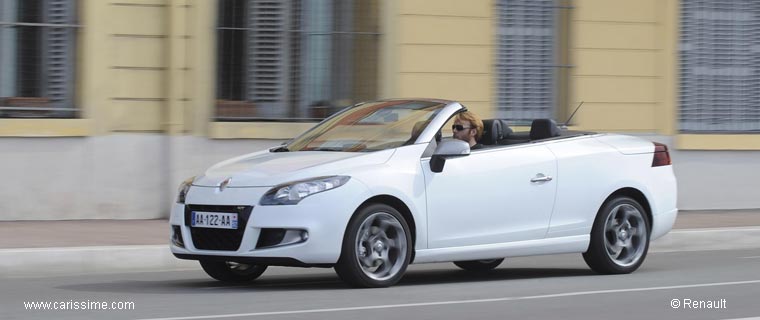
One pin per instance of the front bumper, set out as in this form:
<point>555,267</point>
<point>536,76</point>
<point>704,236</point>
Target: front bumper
<point>324,216</point>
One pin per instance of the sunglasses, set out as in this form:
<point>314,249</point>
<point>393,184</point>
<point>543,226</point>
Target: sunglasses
<point>459,127</point>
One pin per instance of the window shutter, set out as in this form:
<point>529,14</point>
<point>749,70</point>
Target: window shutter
<point>720,66</point>
<point>525,64</point>
<point>58,48</point>
<point>267,58</point>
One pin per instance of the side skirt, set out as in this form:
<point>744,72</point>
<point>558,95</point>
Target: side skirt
<point>570,244</point>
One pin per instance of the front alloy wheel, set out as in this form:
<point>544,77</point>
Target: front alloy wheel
<point>376,248</point>
<point>619,237</point>
<point>228,271</point>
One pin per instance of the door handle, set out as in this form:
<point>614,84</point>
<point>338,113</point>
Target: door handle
<point>541,178</point>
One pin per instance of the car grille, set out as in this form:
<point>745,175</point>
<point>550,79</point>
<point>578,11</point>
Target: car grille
<point>218,239</point>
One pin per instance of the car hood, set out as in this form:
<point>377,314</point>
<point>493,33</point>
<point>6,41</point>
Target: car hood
<point>266,169</point>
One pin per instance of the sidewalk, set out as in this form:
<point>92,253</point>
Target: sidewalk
<point>87,246</point>
<point>81,233</point>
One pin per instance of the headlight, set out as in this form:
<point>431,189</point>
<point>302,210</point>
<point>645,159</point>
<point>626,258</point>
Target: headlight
<point>184,187</point>
<point>294,192</point>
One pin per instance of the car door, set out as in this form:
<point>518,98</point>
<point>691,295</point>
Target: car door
<point>495,195</point>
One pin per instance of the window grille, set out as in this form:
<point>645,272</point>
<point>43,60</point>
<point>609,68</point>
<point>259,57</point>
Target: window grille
<point>720,66</point>
<point>527,59</point>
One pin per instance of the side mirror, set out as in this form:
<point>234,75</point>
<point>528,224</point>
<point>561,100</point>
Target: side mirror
<point>448,149</point>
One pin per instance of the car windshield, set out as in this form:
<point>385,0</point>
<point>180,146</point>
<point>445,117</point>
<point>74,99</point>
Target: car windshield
<point>369,127</point>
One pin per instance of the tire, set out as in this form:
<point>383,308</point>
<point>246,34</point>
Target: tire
<point>232,272</point>
<point>377,248</point>
<point>619,237</point>
<point>479,265</point>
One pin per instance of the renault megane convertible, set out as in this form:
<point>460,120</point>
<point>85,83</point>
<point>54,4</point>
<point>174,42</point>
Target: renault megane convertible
<point>375,187</point>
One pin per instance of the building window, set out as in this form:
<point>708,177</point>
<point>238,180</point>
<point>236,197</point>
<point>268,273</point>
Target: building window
<point>720,66</point>
<point>294,60</point>
<point>531,59</point>
<point>37,57</point>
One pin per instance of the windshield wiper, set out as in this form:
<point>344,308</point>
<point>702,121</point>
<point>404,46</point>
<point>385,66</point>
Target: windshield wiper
<point>281,149</point>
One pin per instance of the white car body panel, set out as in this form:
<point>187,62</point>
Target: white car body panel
<point>266,169</point>
<point>403,180</point>
<point>588,157</point>
<point>625,144</point>
<point>466,207</point>
<point>481,206</point>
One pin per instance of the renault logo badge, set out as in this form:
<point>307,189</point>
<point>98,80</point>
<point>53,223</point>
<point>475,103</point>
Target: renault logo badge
<point>224,184</point>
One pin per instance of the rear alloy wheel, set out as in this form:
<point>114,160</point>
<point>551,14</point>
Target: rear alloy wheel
<point>619,237</point>
<point>232,272</point>
<point>377,248</point>
<point>479,265</point>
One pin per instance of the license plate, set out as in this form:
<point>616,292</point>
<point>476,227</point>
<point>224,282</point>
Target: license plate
<point>218,220</point>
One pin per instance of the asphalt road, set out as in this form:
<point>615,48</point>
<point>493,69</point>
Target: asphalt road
<point>548,287</point>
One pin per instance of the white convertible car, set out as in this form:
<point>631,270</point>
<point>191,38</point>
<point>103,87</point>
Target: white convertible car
<point>374,188</point>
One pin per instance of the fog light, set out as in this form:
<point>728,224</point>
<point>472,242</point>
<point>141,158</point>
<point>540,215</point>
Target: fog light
<point>275,237</point>
<point>177,237</point>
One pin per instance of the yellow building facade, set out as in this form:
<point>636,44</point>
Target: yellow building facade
<point>146,71</point>
<point>148,66</point>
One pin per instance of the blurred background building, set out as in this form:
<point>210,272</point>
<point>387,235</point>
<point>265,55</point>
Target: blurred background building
<point>105,106</point>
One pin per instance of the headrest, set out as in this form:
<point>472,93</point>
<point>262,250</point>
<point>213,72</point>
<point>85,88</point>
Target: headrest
<point>493,131</point>
<point>543,128</point>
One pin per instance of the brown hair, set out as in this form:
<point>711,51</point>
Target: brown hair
<point>474,120</point>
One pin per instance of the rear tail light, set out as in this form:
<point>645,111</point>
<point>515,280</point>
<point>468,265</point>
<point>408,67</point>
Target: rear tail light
<point>661,155</point>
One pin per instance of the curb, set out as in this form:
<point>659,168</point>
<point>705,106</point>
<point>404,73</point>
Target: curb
<point>39,262</point>
<point>704,239</point>
<point>30,262</point>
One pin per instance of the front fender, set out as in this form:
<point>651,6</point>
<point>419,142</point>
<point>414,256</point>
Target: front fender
<point>401,177</point>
